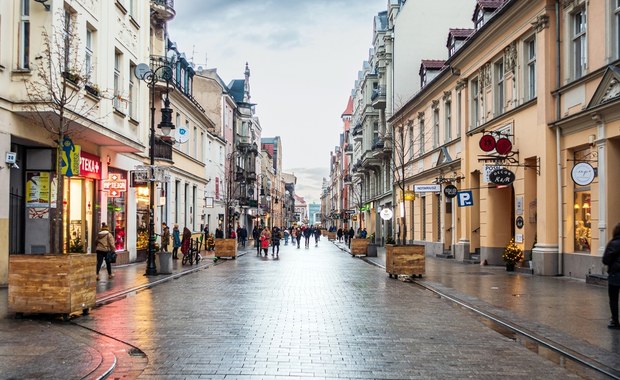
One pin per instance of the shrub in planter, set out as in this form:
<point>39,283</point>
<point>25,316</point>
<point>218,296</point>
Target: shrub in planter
<point>512,255</point>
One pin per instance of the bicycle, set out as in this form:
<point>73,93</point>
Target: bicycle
<point>193,255</point>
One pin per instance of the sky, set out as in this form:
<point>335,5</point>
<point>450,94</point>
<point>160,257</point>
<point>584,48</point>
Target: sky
<point>304,57</point>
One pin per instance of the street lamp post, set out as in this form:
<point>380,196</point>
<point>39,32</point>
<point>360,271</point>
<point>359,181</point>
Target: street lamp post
<point>145,73</point>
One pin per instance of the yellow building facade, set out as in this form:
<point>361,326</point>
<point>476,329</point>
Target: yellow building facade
<point>515,136</point>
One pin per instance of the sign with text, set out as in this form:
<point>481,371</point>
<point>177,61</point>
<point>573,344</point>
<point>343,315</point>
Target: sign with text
<point>90,166</point>
<point>583,174</point>
<point>432,188</point>
<point>115,185</point>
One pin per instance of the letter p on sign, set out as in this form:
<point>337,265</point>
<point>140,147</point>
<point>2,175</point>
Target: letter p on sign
<point>465,198</point>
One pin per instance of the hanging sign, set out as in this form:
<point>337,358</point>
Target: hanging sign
<point>502,177</point>
<point>503,146</point>
<point>114,185</point>
<point>409,195</point>
<point>70,158</point>
<point>37,189</point>
<point>450,191</point>
<point>487,143</point>
<point>519,222</point>
<point>386,214</point>
<point>465,198</point>
<point>583,174</point>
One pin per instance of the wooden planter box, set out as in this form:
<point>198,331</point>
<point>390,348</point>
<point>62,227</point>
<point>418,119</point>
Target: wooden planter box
<point>359,247</point>
<point>405,260</point>
<point>331,236</point>
<point>226,248</point>
<point>54,284</point>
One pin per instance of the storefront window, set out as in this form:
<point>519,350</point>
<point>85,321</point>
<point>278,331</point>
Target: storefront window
<point>78,214</point>
<point>583,236</point>
<point>142,193</point>
<point>582,208</point>
<point>117,206</point>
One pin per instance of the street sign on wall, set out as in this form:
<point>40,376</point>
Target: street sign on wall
<point>431,188</point>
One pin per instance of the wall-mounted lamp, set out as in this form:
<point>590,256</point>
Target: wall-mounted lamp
<point>108,159</point>
<point>577,206</point>
<point>44,3</point>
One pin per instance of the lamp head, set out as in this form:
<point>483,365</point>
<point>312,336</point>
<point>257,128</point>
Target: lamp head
<point>43,2</point>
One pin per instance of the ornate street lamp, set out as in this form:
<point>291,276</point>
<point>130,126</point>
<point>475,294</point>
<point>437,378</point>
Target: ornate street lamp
<point>150,76</point>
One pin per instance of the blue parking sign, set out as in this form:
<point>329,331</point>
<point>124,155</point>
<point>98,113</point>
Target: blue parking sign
<point>465,198</point>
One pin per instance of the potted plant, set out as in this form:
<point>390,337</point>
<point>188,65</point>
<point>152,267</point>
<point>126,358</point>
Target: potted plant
<point>512,255</point>
<point>92,89</point>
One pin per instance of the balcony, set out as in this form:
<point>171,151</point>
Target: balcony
<point>163,10</point>
<point>347,179</point>
<point>378,98</point>
<point>163,149</point>
<point>172,77</point>
<point>377,143</point>
<point>357,132</point>
<point>348,149</point>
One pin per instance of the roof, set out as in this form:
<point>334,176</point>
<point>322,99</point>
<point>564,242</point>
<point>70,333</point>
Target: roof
<point>237,89</point>
<point>433,64</point>
<point>458,34</point>
<point>486,5</point>
<point>349,110</point>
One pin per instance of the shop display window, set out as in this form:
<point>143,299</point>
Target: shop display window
<point>117,211</point>
<point>583,236</point>
<point>78,214</point>
<point>142,216</point>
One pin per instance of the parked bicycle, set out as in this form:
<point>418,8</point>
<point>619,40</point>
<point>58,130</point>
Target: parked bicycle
<point>193,254</point>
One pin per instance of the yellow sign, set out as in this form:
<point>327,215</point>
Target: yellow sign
<point>409,195</point>
<point>70,165</point>
<point>37,189</point>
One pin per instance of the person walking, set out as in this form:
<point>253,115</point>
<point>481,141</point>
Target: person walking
<point>351,235</point>
<point>256,237</point>
<point>298,236</point>
<point>219,234</point>
<point>307,233</point>
<point>264,241</point>
<point>286,236</point>
<point>165,237</point>
<point>186,241</point>
<point>611,258</point>
<point>176,242</point>
<point>339,234</point>
<point>105,244</point>
<point>317,236</point>
<point>275,241</point>
<point>243,235</point>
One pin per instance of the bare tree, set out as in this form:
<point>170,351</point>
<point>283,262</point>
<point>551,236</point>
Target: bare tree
<point>408,138</point>
<point>56,101</point>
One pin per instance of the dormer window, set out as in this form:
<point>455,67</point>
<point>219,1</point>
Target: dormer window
<point>456,38</point>
<point>429,69</point>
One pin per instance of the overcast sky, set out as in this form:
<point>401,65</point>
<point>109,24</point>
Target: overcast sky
<point>304,56</point>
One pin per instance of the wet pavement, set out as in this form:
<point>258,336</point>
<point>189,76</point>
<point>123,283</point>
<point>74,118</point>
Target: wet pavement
<point>313,313</point>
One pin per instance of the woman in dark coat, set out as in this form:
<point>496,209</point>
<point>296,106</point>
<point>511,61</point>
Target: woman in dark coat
<point>611,258</point>
<point>187,239</point>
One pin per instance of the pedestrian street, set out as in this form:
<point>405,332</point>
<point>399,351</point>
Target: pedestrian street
<point>312,313</point>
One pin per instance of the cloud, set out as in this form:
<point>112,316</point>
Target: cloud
<point>310,182</point>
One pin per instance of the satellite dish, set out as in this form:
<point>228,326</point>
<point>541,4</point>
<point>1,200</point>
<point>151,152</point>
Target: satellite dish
<point>141,70</point>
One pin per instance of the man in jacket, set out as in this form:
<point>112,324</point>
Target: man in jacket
<point>611,258</point>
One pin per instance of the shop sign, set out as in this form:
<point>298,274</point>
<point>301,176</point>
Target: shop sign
<point>487,143</point>
<point>386,214</point>
<point>70,158</point>
<point>115,185</point>
<point>583,174</point>
<point>139,178</point>
<point>503,146</point>
<point>519,222</point>
<point>450,191</point>
<point>487,170</point>
<point>90,166</point>
<point>409,195</point>
<point>365,207</point>
<point>502,177</point>
<point>432,188</point>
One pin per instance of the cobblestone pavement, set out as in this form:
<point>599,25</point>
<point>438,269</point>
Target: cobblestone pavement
<point>313,313</point>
